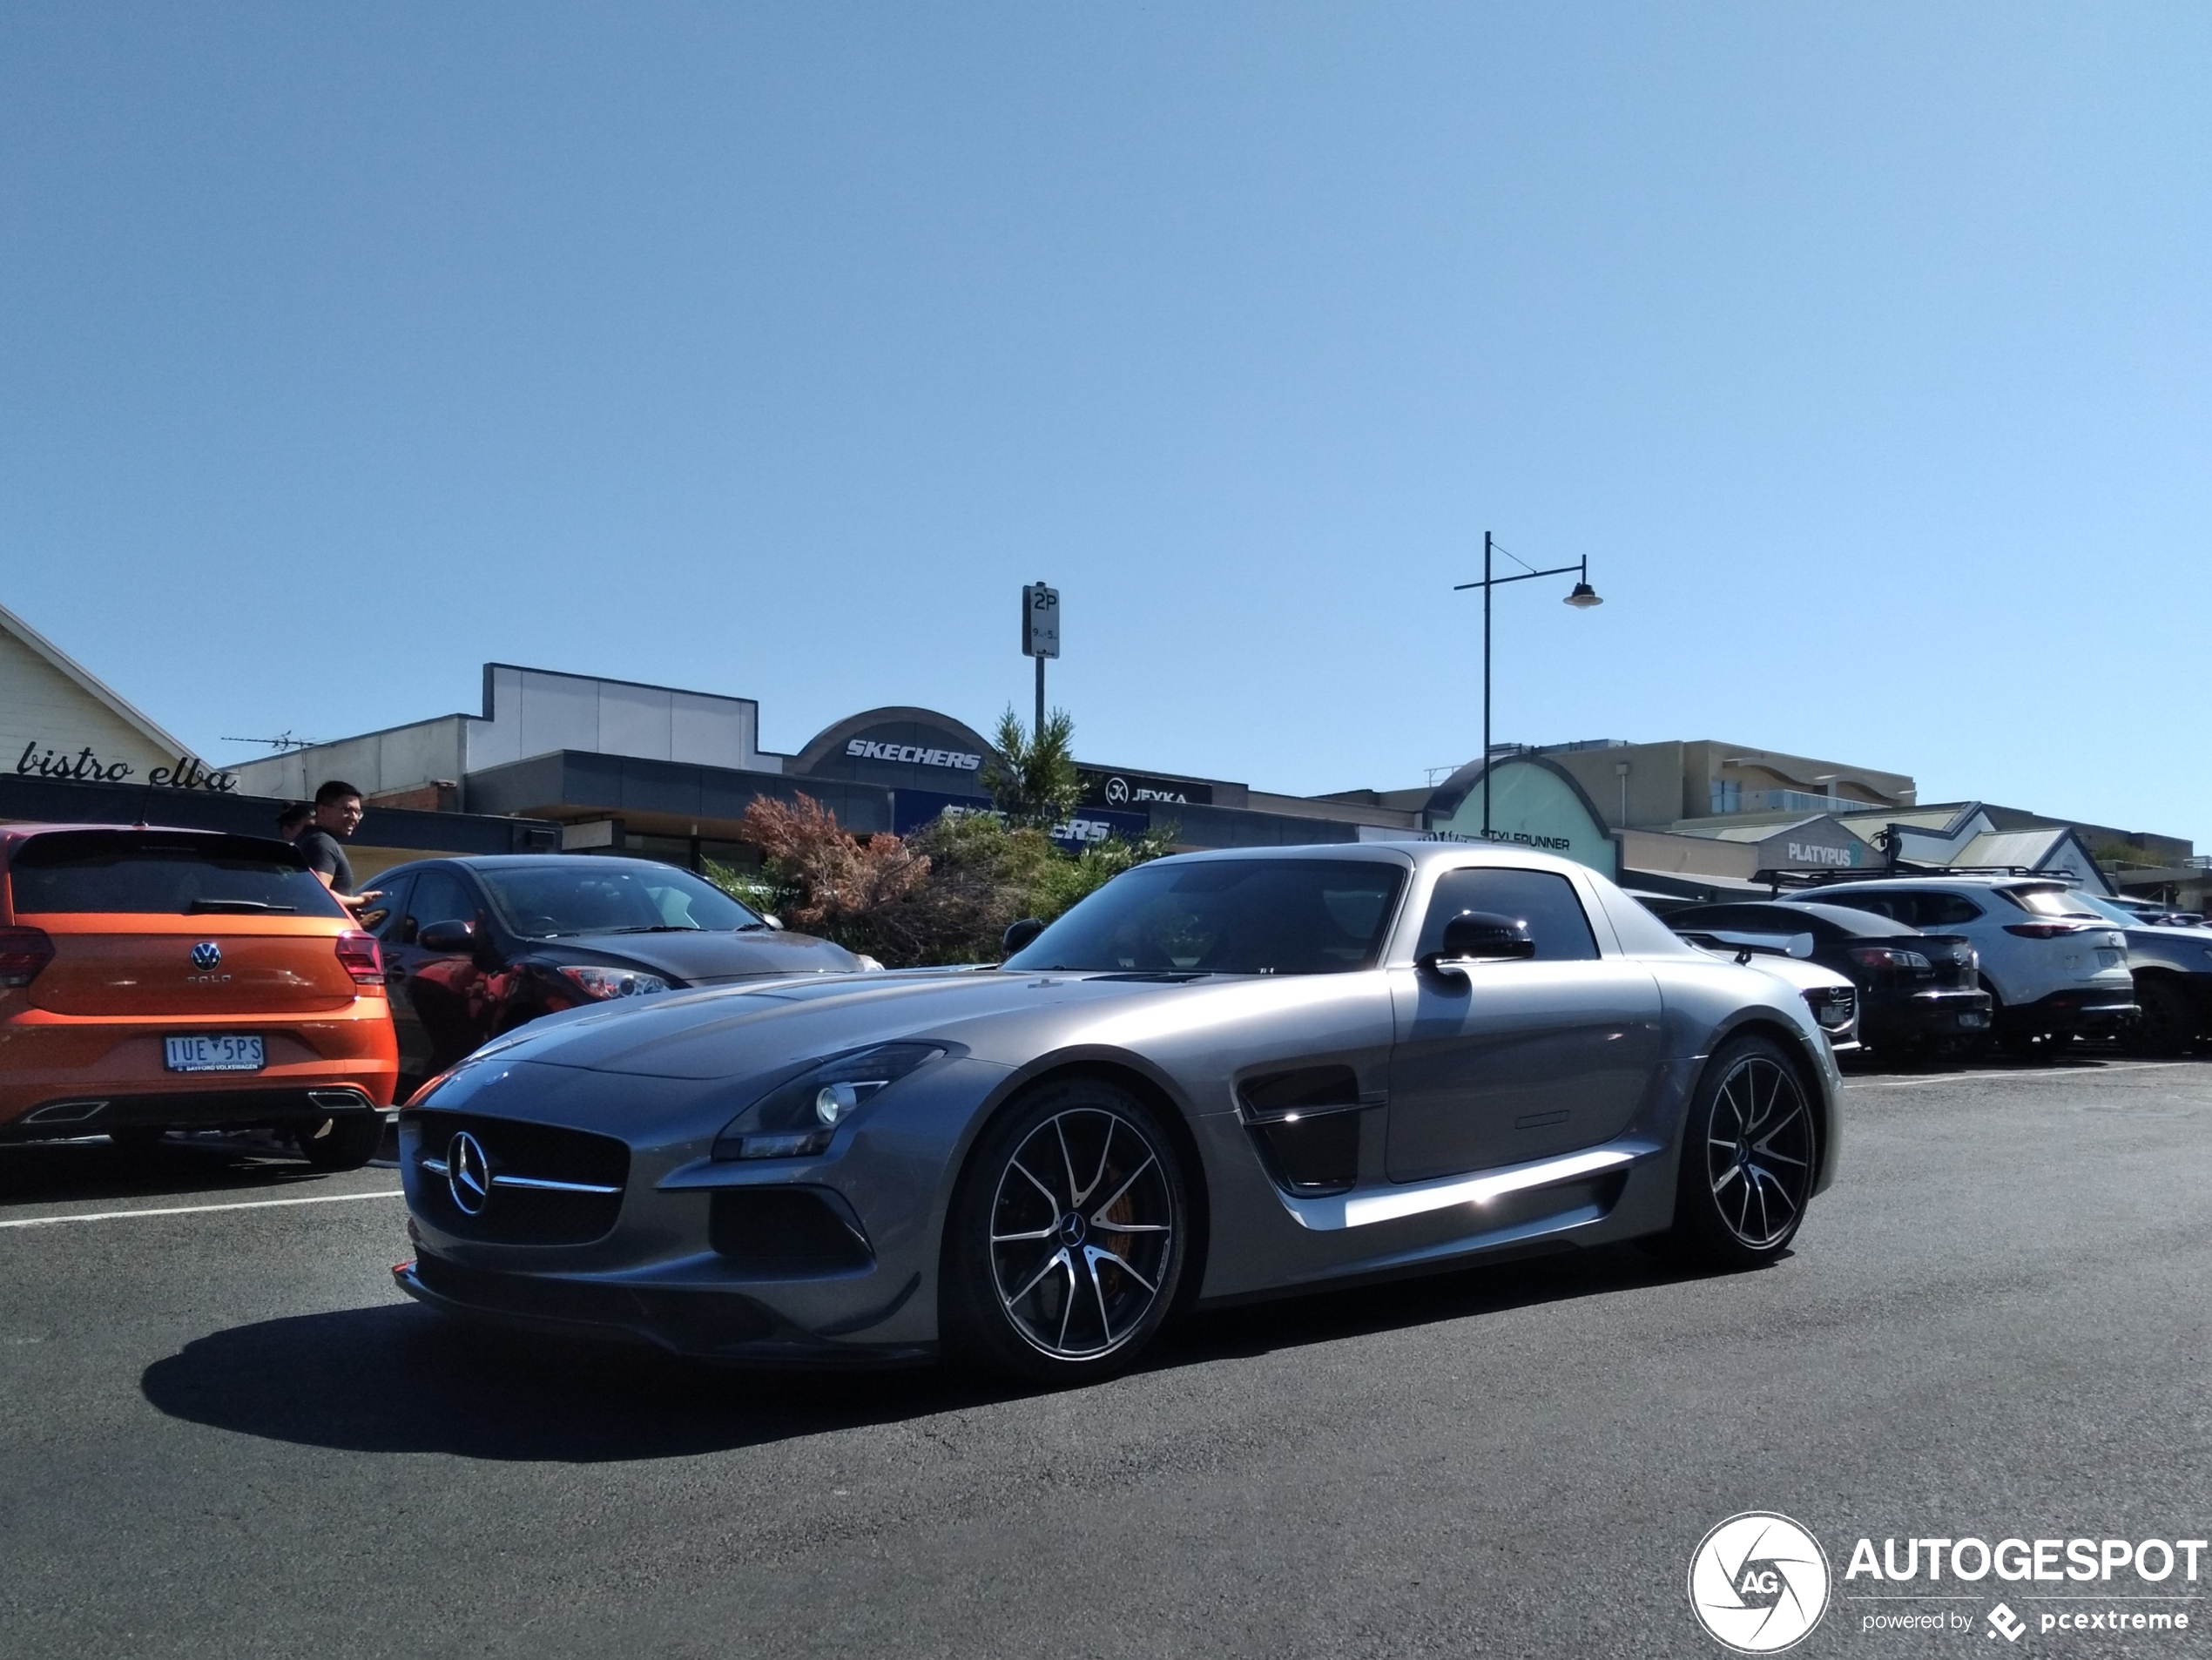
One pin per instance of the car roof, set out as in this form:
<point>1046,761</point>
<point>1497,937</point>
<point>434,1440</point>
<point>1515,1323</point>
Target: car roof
<point>1842,916</point>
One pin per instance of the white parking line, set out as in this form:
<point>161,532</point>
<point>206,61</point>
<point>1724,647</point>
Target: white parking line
<point>195,1210</point>
<point>2070,1072</point>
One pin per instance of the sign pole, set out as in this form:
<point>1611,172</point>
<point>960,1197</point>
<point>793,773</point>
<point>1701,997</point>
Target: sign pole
<point>1040,638</point>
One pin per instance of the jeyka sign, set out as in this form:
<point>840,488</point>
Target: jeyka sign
<point>86,767</point>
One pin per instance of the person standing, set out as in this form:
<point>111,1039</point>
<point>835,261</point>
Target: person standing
<point>337,814</point>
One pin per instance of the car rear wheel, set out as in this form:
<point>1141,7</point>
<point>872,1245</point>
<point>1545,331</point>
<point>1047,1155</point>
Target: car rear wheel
<point>1748,1158</point>
<point>342,1143</point>
<point>1067,1238</point>
<point>2168,1025</point>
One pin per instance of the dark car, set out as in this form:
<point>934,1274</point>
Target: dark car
<point>1916,990</point>
<point>474,947</point>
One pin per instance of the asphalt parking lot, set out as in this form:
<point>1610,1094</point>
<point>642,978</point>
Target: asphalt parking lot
<point>224,1435</point>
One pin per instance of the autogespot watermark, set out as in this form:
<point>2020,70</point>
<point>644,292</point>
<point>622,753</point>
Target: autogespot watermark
<point>1759,1583</point>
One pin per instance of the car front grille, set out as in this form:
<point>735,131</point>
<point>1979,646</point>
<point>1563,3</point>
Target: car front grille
<point>523,1183</point>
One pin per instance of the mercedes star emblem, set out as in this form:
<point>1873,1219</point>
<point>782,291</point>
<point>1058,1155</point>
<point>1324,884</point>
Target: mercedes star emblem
<point>468,1173</point>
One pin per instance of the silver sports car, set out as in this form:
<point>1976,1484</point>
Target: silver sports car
<point>1223,1076</point>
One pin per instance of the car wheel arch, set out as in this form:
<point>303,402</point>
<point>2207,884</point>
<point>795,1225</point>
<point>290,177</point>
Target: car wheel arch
<point>1124,1071</point>
<point>1786,1037</point>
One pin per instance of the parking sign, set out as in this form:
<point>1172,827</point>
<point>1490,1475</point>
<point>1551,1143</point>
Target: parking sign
<point>1039,621</point>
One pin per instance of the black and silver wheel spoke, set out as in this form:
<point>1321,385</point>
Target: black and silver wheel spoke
<point>1759,1151</point>
<point>1105,1259</point>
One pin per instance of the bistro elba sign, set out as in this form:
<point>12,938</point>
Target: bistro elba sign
<point>86,767</point>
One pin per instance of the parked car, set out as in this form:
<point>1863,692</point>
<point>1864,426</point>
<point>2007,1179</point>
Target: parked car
<point>1916,991</point>
<point>1831,997</point>
<point>158,979</point>
<point>1220,1076</point>
<point>2054,974</point>
<point>474,948</point>
<point>2172,966</point>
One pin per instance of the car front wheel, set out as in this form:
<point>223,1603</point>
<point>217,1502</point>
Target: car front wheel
<point>1066,1238</point>
<point>1747,1154</point>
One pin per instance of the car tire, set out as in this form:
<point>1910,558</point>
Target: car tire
<point>345,1143</point>
<point>1067,1237</point>
<point>1750,1148</point>
<point>2168,1025</point>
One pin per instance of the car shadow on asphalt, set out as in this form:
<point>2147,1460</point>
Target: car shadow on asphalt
<point>49,1172</point>
<point>396,1377</point>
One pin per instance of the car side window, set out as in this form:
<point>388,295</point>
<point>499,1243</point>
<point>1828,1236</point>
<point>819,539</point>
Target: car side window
<point>441,896</point>
<point>1896,907</point>
<point>1945,910</point>
<point>397,927</point>
<point>1544,900</point>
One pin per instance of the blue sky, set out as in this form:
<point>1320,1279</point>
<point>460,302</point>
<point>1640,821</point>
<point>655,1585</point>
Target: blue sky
<point>1863,352</point>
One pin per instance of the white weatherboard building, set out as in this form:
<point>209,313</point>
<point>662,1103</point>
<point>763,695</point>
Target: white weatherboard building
<point>59,722</point>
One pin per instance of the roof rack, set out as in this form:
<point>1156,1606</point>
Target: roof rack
<point>1778,879</point>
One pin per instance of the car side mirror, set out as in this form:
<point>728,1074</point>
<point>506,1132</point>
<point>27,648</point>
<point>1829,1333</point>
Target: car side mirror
<point>448,935</point>
<point>1019,934</point>
<point>1479,936</point>
<point>772,920</point>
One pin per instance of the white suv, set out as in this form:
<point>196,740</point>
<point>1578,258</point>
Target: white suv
<point>2056,969</point>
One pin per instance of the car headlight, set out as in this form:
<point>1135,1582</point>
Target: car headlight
<point>799,1118</point>
<point>613,982</point>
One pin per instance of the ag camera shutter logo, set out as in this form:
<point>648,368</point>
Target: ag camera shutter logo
<point>1759,1583</point>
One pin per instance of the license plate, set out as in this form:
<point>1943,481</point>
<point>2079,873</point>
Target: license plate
<point>1972,1022</point>
<point>214,1053</point>
<point>2109,959</point>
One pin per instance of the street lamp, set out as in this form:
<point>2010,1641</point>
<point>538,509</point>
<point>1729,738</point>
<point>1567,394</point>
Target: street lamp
<point>1582,599</point>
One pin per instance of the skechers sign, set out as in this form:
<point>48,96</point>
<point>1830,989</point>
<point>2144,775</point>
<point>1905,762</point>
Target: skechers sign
<point>867,749</point>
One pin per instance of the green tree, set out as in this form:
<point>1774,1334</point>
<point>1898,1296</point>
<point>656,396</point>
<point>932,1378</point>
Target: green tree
<point>1032,778</point>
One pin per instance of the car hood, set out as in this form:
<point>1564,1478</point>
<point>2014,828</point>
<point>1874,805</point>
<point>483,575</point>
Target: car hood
<point>1008,1019</point>
<point>703,957</point>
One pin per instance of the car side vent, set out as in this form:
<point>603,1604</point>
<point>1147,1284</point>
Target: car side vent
<point>1307,1123</point>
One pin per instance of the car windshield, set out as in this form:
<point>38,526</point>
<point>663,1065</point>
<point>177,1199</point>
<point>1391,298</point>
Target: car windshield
<point>571,896</point>
<point>2052,901</point>
<point>1226,916</point>
<point>155,873</point>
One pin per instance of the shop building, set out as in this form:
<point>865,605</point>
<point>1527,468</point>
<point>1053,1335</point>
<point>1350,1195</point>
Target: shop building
<point>587,764</point>
<point>75,752</point>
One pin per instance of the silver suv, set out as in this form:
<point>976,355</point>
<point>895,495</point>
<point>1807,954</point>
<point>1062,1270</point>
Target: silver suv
<point>2055,969</point>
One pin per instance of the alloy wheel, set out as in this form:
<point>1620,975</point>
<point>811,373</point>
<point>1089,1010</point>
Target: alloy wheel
<point>1081,1233</point>
<point>1758,1151</point>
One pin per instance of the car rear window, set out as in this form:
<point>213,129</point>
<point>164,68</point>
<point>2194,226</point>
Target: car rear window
<point>156,873</point>
<point>2050,901</point>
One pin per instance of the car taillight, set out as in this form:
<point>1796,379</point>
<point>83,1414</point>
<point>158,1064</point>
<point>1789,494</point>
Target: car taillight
<point>1886,957</point>
<point>23,952</point>
<point>2041,930</point>
<point>358,953</point>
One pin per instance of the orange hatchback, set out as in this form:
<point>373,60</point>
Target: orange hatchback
<point>158,979</point>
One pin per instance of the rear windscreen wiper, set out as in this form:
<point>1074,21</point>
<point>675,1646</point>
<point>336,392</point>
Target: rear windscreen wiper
<point>234,907</point>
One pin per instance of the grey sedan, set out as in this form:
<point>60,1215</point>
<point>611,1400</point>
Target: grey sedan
<point>1223,1076</point>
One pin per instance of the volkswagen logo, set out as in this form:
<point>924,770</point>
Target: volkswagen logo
<point>468,1173</point>
<point>1759,1583</point>
<point>206,955</point>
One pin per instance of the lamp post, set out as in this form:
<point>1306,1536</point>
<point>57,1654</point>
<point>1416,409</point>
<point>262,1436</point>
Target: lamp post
<point>1582,598</point>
